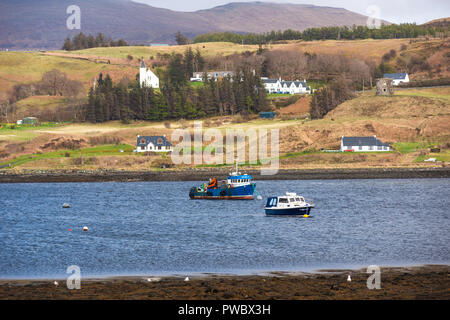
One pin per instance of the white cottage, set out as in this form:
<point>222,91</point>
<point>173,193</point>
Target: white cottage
<point>147,78</point>
<point>397,78</point>
<point>153,144</point>
<point>361,144</point>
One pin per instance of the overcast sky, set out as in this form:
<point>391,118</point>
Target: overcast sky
<point>396,11</point>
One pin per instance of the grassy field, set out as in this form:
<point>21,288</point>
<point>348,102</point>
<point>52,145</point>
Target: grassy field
<point>207,49</point>
<point>27,67</point>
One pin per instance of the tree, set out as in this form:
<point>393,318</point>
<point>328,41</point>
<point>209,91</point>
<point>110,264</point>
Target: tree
<point>181,39</point>
<point>54,82</point>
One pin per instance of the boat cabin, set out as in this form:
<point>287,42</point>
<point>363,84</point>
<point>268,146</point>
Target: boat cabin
<point>237,180</point>
<point>288,201</point>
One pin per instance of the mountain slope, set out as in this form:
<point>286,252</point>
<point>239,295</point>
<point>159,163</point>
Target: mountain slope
<point>42,24</point>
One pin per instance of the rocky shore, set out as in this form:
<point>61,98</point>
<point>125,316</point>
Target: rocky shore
<point>423,282</point>
<point>205,174</point>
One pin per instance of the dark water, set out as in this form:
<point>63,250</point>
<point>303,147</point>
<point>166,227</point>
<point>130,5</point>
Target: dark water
<point>153,228</point>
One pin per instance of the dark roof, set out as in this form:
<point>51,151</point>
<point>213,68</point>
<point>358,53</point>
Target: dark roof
<point>158,141</point>
<point>270,80</point>
<point>397,76</point>
<point>363,141</point>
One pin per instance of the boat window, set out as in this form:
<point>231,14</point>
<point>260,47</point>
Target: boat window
<point>283,200</point>
<point>291,199</point>
<point>298,199</point>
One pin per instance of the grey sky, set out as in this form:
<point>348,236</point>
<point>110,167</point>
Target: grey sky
<point>396,11</point>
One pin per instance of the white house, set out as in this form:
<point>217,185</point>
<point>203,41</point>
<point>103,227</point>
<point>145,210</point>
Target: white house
<point>198,76</point>
<point>397,78</point>
<point>272,85</point>
<point>153,144</point>
<point>287,87</point>
<point>147,78</point>
<point>356,144</point>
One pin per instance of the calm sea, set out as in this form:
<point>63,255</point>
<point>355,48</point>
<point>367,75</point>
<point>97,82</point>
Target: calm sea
<point>154,228</point>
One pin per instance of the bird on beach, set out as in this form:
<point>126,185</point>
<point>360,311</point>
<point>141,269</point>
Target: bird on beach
<point>55,283</point>
<point>349,279</point>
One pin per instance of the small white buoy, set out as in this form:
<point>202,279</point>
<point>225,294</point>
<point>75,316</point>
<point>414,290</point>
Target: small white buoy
<point>85,228</point>
<point>259,198</point>
<point>66,205</point>
<point>55,283</point>
<point>186,279</point>
<point>349,279</point>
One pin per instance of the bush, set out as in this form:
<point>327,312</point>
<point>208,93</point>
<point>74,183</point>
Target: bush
<point>67,155</point>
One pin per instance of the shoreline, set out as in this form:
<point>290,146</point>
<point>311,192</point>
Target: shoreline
<point>39,176</point>
<point>407,282</point>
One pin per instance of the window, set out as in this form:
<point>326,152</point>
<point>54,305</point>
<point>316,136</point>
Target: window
<point>370,147</point>
<point>159,148</point>
<point>283,200</point>
<point>360,148</point>
<point>160,141</point>
<point>291,200</point>
<point>143,141</point>
<point>380,148</point>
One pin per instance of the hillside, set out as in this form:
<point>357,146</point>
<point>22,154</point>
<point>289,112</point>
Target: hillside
<point>412,120</point>
<point>42,24</point>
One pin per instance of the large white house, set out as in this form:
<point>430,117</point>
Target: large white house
<point>147,78</point>
<point>397,78</point>
<point>287,87</point>
<point>153,144</point>
<point>359,144</point>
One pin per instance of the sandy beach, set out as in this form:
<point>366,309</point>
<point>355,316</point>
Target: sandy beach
<point>419,282</point>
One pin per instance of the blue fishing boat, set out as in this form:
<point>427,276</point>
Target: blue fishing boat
<point>236,187</point>
<point>289,205</point>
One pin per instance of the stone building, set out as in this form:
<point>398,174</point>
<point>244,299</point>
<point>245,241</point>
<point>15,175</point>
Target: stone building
<point>385,87</point>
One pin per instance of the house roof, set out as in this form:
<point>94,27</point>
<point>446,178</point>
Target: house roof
<point>158,141</point>
<point>270,80</point>
<point>395,76</point>
<point>363,141</point>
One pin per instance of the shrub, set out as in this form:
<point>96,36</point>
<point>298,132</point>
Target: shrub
<point>67,155</point>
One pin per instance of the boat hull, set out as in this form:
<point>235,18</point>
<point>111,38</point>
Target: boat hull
<point>288,211</point>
